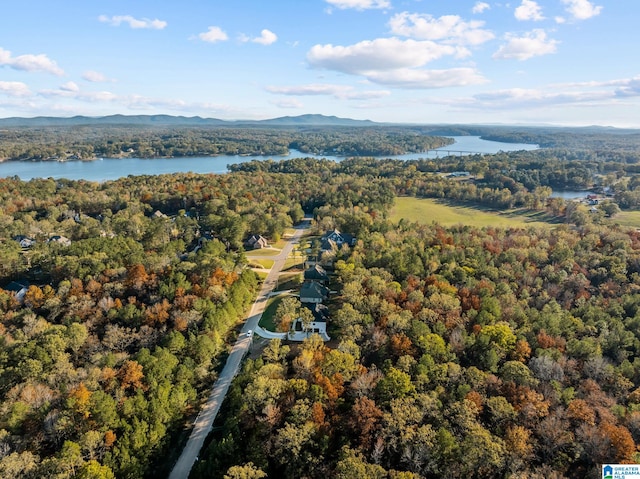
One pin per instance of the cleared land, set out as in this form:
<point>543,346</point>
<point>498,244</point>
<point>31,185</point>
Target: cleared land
<point>630,219</point>
<point>427,211</point>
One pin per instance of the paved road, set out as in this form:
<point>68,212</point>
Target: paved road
<point>204,421</point>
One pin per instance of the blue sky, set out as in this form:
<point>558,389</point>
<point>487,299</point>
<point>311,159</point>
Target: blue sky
<point>562,62</point>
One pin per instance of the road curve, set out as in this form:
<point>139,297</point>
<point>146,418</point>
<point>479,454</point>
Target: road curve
<point>204,421</point>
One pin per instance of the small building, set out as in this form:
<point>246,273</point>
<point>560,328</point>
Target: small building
<point>316,273</point>
<point>24,241</point>
<point>158,214</point>
<point>313,292</point>
<point>256,242</point>
<point>18,288</point>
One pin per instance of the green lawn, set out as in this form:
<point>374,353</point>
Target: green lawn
<point>426,210</point>
<point>630,219</point>
<point>262,252</point>
<point>265,263</point>
<point>289,281</point>
<point>267,321</point>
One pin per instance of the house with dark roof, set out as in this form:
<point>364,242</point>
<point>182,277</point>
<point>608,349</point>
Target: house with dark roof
<point>313,292</point>
<point>18,288</point>
<point>335,239</point>
<point>24,241</point>
<point>318,325</point>
<point>256,242</point>
<point>316,273</point>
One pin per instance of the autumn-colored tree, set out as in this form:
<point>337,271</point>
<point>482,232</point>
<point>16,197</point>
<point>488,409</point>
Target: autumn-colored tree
<point>79,400</point>
<point>131,375</point>
<point>365,421</point>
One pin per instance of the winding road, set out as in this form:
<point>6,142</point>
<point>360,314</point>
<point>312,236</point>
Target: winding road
<point>204,421</point>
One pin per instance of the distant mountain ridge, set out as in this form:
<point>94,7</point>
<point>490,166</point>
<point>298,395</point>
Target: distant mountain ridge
<point>169,120</point>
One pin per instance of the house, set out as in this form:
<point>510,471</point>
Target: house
<point>335,239</point>
<point>318,325</point>
<point>24,241</point>
<point>18,288</point>
<point>158,214</point>
<point>256,242</point>
<point>316,273</point>
<point>313,292</point>
<point>62,240</point>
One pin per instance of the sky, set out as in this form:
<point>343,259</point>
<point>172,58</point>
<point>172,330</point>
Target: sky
<point>557,62</point>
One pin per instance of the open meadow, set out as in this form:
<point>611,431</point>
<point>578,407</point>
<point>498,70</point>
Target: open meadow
<point>427,210</point>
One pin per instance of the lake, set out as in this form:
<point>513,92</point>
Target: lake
<point>113,168</point>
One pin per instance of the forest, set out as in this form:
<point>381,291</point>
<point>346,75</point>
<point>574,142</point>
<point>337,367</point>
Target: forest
<point>115,141</point>
<point>460,351</point>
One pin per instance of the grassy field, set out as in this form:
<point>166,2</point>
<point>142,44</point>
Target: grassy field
<point>629,219</point>
<point>426,210</point>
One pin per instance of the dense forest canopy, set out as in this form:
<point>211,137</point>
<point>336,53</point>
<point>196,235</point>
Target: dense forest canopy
<point>91,141</point>
<point>175,137</point>
<point>472,352</point>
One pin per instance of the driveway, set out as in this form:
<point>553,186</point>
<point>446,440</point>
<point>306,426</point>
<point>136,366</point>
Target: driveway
<point>204,421</point>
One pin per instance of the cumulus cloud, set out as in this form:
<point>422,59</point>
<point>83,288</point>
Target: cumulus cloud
<point>393,62</point>
<point>14,89</point>
<point>136,23</point>
<point>94,76</point>
<point>448,28</point>
<point>341,92</point>
<point>380,54</point>
<point>529,10</point>
<point>582,9</point>
<point>30,63</point>
<point>532,44</point>
<point>267,37</point>
<point>480,7</point>
<point>359,4</point>
<point>213,35</point>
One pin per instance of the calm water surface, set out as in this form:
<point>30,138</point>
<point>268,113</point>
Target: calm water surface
<point>111,169</point>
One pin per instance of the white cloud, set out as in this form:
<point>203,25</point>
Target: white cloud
<point>394,62</point>
<point>480,7</point>
<point>267,37</point>
<point>427,79</point>
<point>359,4</point>
<point>629,88</point>
<point>213,35</point>
<point>448,28</point>
<point>14,88</point>
<point>582,9</point>
<point>94,76</point>
<point>136,23</point>
<point>529,10</point>
<point>70,86</point>
<point>380,54</point>
<point>532,44</point>
<point>341,92</point>
<point>30,63</point>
